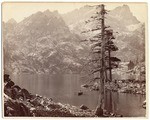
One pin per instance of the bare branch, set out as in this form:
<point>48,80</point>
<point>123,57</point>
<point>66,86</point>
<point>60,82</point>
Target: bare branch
<point>95,71</point>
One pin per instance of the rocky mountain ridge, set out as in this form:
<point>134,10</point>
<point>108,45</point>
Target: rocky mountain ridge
<point>40,43</point>
<point>127,29</point>
<point>50,42</point>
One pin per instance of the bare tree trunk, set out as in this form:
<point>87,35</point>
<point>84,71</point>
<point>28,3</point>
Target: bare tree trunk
<point>110,73</point>
<point>99,109</point>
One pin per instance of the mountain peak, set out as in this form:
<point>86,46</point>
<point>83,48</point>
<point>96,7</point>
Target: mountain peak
<point>12,21</point>
<point>44,23</point>
<point>125,6</point>
<point>56,14</point>
<point>46,11</point>
<point>38,13</point>
<point>87,6</point>
<point>49,14</point>
<point>124,14</point>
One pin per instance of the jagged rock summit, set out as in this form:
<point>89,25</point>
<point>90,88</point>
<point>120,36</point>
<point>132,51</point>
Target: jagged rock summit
<point>11,21</point>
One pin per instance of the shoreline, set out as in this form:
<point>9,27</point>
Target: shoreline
<point>121,87</point>
<point>19,102</point>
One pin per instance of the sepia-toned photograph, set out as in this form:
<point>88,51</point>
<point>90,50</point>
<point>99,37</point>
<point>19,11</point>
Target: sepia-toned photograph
<point>74,59</point>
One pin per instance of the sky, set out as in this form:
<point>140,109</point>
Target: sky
<point>19,11</point>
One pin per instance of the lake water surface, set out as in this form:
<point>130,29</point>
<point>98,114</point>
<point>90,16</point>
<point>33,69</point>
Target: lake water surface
<point>64,88</point>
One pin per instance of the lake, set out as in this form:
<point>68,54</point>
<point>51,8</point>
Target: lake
<point>64,89</point>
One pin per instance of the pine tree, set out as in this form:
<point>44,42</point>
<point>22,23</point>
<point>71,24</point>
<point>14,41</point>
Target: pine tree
<point>101,47</point>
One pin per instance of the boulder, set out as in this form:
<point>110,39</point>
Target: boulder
<point>14,93</point>
<point>99,111</point>
<point>14,108</point>
<point>80,93</point>
<point>95,88</point>
<point>83,107</point>
<point>25,93</point>
<point>35,102</point>
<point>144,104</point>
<point>16,87</point>
<point>54,106</point>
<point>9,84</point>
<point>6,78</point>
<point>85,85</point>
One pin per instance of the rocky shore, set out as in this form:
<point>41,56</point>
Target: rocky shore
<point>127,86</point>
<point>122,86</point>
<point>19,102</point>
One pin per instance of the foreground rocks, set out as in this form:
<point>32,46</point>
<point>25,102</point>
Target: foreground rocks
<point>144,104</point>
<point>19,102</point>
<point>15,108</point>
